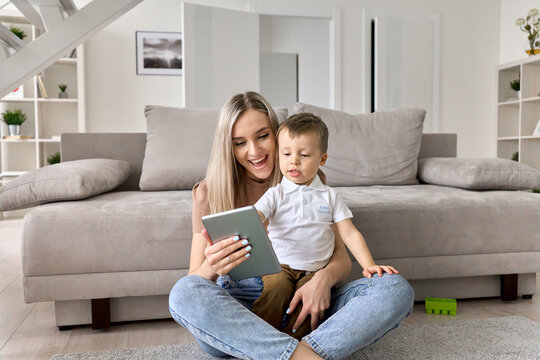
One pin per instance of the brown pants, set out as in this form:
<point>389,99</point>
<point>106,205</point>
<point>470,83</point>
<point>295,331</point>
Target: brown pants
<point>276,296</point>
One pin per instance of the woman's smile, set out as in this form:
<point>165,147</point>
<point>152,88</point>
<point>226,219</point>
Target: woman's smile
<point>259,163</point>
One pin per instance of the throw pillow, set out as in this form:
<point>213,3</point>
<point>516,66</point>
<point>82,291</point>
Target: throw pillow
<point>478,174</point>
<point>70,180</point>
<point>371,149</point>
<point>178,145</point>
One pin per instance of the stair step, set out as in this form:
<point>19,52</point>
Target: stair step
<point>10,38</point>
<point>59,40</point>
<point>30,13</point>
<point>51,15</point>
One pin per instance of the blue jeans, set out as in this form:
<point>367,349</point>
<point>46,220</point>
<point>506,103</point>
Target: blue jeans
<point>360,313</point>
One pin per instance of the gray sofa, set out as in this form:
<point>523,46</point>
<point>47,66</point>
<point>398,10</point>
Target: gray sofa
<point>114,256</point>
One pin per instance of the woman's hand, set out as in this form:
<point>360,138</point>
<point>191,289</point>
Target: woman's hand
<point>315,296</point>
<point>379,269</point>
<point>226,254</point>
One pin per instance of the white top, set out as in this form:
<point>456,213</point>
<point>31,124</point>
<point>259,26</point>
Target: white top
<point>301,219</point>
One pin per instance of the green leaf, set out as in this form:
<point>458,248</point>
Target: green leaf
<point>14,117</point>
<point>18,32</point>
<point>54,159</point>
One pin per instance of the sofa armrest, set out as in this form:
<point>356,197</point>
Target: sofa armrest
<point>478,174</point>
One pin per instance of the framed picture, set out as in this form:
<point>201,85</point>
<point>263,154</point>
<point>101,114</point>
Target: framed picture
<point>537,129</point>
<point>159,53</point>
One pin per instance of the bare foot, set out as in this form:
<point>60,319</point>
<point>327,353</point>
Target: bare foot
<point>304,352</point>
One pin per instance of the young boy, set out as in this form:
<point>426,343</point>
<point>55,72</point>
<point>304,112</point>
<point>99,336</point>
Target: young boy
<point>301,212</point>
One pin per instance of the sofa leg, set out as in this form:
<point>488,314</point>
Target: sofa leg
<point>528,296</point>
<point>101,314</point>
<point>509,287</point>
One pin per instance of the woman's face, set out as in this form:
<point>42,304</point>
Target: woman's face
<point>254,144</point>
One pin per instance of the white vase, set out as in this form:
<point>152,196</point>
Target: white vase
<point>14,130</point>
<point>518,94</point>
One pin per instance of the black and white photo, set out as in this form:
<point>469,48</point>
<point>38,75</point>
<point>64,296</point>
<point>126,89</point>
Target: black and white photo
<point>159,53</point>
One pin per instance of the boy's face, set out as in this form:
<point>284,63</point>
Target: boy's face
<point>300,156</point>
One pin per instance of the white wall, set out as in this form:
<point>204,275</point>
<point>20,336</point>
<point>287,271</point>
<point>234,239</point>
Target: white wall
<point>309,38</point>
<point>116,96</point>
<point>217,67</point>
<point>513,40</point>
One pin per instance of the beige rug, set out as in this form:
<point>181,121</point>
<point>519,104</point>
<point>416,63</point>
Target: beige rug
<point>502,338</point>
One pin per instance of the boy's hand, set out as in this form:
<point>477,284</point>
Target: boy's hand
<point>379,269</point>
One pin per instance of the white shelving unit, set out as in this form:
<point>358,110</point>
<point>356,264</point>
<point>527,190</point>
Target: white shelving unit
<point>517,118</point>
<point>47,118</point>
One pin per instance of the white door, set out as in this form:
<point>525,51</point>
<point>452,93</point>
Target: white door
<point>279,79</point>
<point>405,65</point>
<point>221,54</point>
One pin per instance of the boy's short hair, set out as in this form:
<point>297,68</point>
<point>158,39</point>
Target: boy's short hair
<point>302,123</point>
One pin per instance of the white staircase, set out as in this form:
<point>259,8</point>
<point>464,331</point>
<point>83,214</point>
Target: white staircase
<point>62,27</point>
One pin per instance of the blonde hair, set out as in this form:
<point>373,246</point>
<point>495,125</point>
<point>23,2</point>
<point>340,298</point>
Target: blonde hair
<point>225,177</point>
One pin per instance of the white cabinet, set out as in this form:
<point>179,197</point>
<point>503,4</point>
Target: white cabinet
<point>517,117</point>
<point>47,117</point>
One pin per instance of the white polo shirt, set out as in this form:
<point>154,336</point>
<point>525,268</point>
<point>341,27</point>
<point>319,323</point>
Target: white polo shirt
<point>300,222</point>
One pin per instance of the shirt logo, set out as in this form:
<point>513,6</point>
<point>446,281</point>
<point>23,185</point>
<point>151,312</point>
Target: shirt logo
<point>324,209</point>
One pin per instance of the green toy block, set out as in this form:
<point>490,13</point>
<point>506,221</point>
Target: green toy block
<point>441,306</point>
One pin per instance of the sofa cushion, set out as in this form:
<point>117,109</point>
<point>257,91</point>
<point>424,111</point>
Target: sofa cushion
<point>478,174</point>
<point>144,231</point>
<point>371,149</point>
<point>178,145</point>
<point>429,220</point>
<point>117,231</point>
<point>70,180</point>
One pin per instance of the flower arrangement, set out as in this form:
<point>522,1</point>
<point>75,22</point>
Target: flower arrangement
<point>531,26</point>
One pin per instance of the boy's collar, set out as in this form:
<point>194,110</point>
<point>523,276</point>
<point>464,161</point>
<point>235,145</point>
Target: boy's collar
<point>289,186</point>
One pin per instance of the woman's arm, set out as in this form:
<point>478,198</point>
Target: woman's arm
<point>316,293</point>
<point>197,260</point>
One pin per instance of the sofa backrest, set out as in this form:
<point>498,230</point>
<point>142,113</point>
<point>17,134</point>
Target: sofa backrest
<point>126,146</point>
<point>130,147</point>
<point>438,145</point>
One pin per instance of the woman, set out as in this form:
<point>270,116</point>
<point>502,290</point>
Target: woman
<point>243,164</point>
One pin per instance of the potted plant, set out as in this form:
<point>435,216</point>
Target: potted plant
<point>14,119</point>
<point>515,156</point>
<point>62,94</point>
<point>54,158</point>
<point>18,32</point>
<point>515,85</point>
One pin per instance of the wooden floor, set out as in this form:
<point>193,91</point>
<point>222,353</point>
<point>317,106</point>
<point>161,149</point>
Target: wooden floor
<point>28,331</point>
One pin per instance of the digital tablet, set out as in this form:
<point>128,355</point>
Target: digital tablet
<point>246,223</point>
